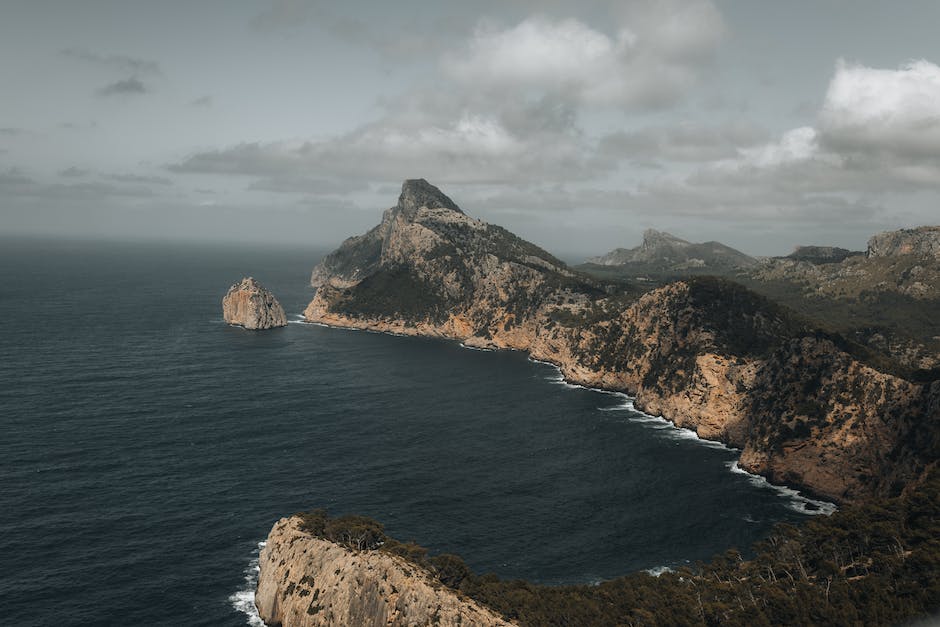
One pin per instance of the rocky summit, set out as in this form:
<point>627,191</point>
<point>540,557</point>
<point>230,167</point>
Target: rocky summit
<point>248,304</point>
<point>807,407</point>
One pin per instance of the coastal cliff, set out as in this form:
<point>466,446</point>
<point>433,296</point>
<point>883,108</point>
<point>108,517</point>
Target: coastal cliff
<point>309,581</point>
<point>248,304</point>
<point>806,408</point>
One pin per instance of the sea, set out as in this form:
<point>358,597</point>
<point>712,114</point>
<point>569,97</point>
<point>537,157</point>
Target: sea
<point>146,447</point>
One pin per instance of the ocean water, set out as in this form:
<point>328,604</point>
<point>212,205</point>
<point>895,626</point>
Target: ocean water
<point>147,447</point>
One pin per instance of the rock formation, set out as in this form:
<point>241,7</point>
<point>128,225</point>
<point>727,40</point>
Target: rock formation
<point>805,408</point>
<point>923,242</point>
<point>248,304</point>
<point>305,581</point>
<point>663,252</point>
<point>822,254</point>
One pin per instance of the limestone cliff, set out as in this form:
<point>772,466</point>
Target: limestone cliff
<point>248,304</point>
<point>921,242</point>
<point>805,407</point>
<point>306,581</point>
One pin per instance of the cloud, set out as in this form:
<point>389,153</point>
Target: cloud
<point>301,184</point>
<point>890,112</point>
<point>472,148</point>
<point>692,142</point>
<point>73,172</point>
<point>10,131</point>
<point>649,61</point>
<point>128,86</point>
<point>138,179</point>
<point>202,101</point>
<point>121,63</point>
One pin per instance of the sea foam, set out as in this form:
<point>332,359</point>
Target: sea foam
<point>243,600</point>
<point>797,501</point>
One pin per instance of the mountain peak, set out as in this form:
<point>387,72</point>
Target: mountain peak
<point>652,238</point>
<point>417,193</point>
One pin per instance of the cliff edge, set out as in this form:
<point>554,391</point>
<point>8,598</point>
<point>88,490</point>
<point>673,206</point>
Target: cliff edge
<point>307,581</point>
<point>248,304</point>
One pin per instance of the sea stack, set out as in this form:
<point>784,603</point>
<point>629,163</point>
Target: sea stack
<point>248,304</point>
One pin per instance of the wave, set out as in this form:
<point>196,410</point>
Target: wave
<point>243,600</point>
<point>797,502</point>
<point>656,571</point>
<point>476,348</point>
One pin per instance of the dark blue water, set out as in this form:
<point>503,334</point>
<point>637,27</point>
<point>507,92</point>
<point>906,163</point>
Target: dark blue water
<point>147,447</point>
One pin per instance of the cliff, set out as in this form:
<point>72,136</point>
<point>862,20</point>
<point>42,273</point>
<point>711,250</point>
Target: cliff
<point>308,581</point>
<point>248,304</point>
<point>923,242</point>
<point>806,408</point>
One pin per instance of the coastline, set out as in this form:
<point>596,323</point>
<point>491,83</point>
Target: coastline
<point>799,499</point>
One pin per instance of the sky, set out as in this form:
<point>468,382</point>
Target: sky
<point>577,125</point>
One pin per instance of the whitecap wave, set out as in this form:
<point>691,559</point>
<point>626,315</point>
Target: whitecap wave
<point>656,571</point>
<point>243,600</point>
<point>477,348</point>
<point>796,501</point>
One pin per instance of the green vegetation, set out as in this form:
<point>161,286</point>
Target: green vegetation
<point>871,564</point>
<point>393,292</point>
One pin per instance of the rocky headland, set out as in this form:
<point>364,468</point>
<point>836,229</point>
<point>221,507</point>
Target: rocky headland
<point>309,581</point>
<point>248,304</point>
<point>806,407</point>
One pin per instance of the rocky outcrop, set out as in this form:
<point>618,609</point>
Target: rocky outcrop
<point>822,254</point>
<point>306,581</point>
<point>922,242</point>
<point>705,353</point>
<point>249,305</point>
<point>663,252</point>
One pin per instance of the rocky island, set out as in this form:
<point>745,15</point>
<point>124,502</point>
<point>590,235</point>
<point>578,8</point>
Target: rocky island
<point>248,304</point>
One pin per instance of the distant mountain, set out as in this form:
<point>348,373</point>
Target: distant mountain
<point>664,252</point>
<point>822,254</point>
<point>905,262</point>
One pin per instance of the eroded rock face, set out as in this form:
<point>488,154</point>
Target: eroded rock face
<point>707,354</point>
<point>248,304</point>
<point>306,582</point>
<point>923,241</point>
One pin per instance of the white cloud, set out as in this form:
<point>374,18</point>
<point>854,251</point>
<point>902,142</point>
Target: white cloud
<point>649,60</point>
<point>795,145</point>
<point>872,110</point>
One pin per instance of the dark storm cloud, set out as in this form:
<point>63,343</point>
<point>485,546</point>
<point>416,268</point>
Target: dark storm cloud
<point>126,86</point>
